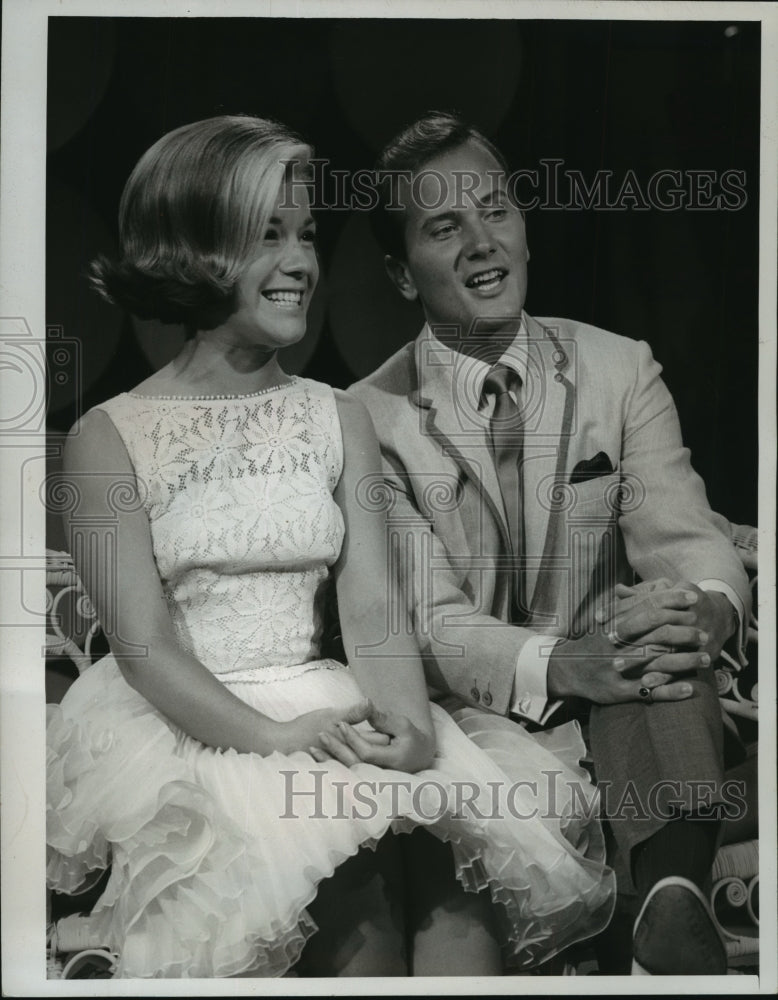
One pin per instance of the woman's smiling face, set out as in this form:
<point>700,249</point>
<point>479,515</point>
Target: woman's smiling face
<point>274,290</point>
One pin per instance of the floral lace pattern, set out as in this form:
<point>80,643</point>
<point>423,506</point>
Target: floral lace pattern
<point>244,527</point>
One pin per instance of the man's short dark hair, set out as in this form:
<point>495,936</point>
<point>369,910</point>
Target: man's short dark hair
<point>435,133</point>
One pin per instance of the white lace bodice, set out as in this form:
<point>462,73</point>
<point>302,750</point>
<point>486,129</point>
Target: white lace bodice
<point>238,492</point>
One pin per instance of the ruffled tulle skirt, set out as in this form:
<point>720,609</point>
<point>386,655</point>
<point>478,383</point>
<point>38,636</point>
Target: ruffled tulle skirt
<point>214,855</point>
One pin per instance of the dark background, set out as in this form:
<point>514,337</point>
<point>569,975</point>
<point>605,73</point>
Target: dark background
<point>643,96</point>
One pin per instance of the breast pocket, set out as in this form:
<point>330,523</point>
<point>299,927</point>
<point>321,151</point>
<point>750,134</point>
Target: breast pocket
<point>596,500</point>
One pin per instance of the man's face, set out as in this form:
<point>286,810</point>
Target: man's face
<point>466,248</point>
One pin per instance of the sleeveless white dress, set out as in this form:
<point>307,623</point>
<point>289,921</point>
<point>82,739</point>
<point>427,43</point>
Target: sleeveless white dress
<point>214,854</point>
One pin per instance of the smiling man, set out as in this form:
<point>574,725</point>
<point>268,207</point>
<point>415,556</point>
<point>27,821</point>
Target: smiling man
<point>556,546</point>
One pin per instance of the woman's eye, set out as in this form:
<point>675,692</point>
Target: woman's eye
<point>271,234</point>
<point>309,236</point>
<point>496,214</point>
<point>442,231</point>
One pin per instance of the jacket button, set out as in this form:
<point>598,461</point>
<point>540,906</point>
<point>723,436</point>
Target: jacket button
<point>475,694</point>
<point>487,699</point>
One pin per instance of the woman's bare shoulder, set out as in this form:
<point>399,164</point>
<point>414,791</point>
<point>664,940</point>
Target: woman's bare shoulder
<point>94,443</point>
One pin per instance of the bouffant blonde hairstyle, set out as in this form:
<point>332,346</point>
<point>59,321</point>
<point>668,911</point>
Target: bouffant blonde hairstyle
<point>193,209</point>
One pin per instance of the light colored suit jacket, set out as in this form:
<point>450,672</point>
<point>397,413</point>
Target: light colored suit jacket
<point>589,392</point>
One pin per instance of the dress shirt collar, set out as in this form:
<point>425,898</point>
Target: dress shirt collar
<point>469,373</point>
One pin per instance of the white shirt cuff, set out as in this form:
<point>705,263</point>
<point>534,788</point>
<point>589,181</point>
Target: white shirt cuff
<point>530,693</point>
<point>740,611</point>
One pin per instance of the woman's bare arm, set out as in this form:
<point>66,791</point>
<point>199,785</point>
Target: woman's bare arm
<point>384,658</point>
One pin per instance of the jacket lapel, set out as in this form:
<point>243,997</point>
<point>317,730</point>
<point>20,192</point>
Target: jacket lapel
<point>446,420</point>
<point>549,424</point>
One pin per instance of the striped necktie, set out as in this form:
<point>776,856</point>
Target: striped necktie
<point>506,441</point>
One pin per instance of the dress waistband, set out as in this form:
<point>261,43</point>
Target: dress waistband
<point>273,674</point>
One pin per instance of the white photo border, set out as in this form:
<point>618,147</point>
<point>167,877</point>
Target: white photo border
<point>22,529</point>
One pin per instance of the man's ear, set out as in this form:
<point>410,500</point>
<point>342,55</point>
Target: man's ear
<point>401,277</point>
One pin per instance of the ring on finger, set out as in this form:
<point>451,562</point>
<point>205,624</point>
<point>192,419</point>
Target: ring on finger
<point>613,638</point>
<point>646,694</point>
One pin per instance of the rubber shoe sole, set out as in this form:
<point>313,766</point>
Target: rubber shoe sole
<point>675,933</point>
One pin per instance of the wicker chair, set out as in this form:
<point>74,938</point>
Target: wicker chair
<point>71,620</point>
<point>72,629</point>
<point>735,893</point>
